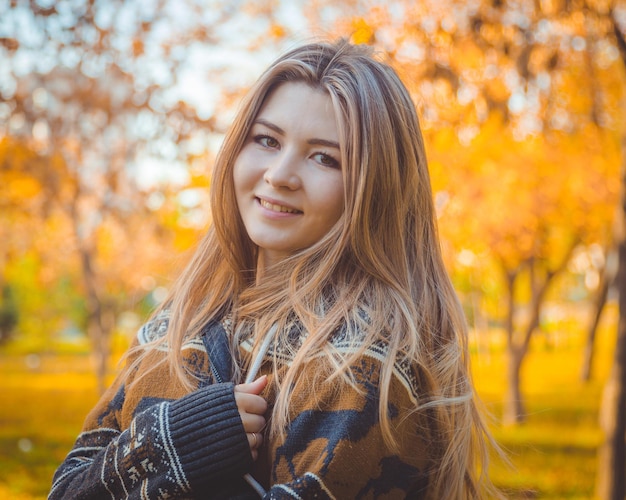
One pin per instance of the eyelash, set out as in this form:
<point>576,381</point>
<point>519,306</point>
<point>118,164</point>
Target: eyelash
<point>332,161</point>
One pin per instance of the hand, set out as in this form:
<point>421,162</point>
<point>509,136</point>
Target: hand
<point>252,408</point>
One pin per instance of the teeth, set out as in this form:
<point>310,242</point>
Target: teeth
<point>278,208</point>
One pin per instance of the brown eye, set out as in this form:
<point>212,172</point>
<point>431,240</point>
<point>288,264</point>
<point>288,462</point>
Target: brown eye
<point>267,141</point>
<point>326,160</point>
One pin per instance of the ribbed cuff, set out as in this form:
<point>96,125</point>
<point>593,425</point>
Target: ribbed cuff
<point>208,435</point>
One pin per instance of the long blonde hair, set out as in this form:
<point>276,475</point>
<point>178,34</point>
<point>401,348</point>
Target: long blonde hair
<point>378,273</point>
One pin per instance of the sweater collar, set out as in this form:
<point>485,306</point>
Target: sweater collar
<point>215,341</point>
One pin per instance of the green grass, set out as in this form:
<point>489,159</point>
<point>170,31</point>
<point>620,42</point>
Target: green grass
<point>553,452</point>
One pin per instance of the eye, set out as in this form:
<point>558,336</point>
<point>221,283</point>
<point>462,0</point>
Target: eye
<point>326,160</point>
<point>267,141</point>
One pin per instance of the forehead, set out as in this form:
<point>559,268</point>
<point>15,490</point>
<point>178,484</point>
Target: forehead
<point>300,107</point>
<point>295,90</point>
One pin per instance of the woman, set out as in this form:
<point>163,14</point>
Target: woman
<point>322,273</point>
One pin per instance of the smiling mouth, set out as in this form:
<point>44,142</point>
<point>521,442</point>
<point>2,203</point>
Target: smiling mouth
<point>278,208</point>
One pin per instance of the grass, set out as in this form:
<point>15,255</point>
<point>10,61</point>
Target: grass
<point>45,400</point>
<point>42,412</point>
<point>554,452</point>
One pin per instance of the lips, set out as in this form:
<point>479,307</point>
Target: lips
<point>277,207</point>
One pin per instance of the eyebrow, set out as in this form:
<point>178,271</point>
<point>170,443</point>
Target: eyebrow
<point>278,130</point>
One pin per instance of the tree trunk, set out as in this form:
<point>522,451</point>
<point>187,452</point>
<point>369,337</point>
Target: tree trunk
<point>97,327</point>
<point>517,347</point>
<point>598,307</point>
<point>514,411</point>
<point>513,402</point>
<point>611,479</point>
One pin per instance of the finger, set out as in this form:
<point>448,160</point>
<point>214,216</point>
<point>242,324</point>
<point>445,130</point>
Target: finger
<point>255,387</point>
<point>250,403</point>
<point>252,423</point>
<point>255,440</point>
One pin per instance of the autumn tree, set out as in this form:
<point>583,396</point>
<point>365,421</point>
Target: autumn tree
<point>611,477</point>
<point>63,104</point>
<point>94,86</point>
<point>518,105</point>
<point>24,206</point>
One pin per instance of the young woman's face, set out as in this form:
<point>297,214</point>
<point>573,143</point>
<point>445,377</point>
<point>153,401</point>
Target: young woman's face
<point>287,177</point>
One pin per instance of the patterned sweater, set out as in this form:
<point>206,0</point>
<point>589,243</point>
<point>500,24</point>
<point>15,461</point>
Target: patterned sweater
<point>150,438</point>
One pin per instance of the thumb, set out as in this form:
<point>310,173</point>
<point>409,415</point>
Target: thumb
<point>255,387</point>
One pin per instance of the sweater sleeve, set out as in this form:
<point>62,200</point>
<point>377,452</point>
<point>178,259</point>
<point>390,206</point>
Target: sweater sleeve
<point>170,449</point>
<point>334,448</point>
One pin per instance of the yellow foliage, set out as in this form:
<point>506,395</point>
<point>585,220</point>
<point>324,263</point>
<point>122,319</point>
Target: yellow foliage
<point>362,31</point>
<point>17,187</point>
<point>473,57</point>
<point>277,31</point>
<point>520,198</point>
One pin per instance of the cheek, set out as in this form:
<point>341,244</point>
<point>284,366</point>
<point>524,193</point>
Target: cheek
<point>334,201</point>
<point>241,175</point>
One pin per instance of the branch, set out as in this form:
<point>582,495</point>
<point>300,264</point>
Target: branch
<point>541,292</point>
<point>619,36</point>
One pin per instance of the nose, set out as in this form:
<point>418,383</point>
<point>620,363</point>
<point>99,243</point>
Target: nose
<point>283,171</point>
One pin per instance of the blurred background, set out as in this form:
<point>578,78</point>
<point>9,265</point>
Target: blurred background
<point>111,113</point>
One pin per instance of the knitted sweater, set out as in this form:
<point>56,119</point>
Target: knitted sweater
<point>150,438</point>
